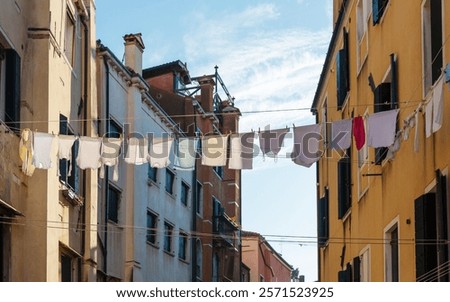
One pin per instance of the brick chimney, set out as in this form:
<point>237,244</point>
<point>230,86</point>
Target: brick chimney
<point>134,47</point>
<point>207,92</point>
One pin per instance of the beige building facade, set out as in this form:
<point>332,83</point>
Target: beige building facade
<point>47,85</point>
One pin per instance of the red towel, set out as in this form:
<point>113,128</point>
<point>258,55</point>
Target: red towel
<point>359,132</point>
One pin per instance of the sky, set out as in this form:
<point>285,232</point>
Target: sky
<point>270,55</point>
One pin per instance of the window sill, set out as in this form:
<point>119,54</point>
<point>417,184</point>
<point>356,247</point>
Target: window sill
<point>171,254</point>
<point>171,195</point>
<point>69,194</point>
<point>347,215</point>
<point>345,103</point>
<point>185,261</point>
<point>154,245</point>
<point>151,183</point>
<point>199,215</point>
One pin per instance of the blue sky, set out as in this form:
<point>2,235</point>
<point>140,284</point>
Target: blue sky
<point>270,55</point>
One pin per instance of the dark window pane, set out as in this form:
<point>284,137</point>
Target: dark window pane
<point>170,178</point>
<point>184,193</point>
<point>182,246</point>
<point>113,204</point>
<point>66,268</point>
<point>12,88</point>
<point>394,254</point>
<point>199,197</point>
<point>151,227</point>
<point>114,130</point>
<point>168,232</point>
<point>152,173</point>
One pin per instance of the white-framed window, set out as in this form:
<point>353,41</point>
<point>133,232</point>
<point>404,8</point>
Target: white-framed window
<point>392,252</point>
<point>432,40</point>
<point>363,164</point>
<point>364,257</point>
<point>69,35</point>
<point>168,237</point>
<point>363,12</point>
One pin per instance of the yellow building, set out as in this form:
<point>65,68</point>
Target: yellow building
<point>384,215</point>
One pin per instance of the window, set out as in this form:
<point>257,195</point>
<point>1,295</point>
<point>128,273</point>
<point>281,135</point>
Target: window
<point>182,246</point>
<point>216,268</point>
<point>219,171</point>
<point>386,99</point>
<point>391,254</point>
<point>68,170</point>
<point>431,224</point>
<point>198,259</point>
<point>113,204</point>
<point>342,73</point>
<point>199,198</point>
<point>168,234</point>
<point>363,11</point>
<point>115,130</point>
<point>378,7</point>
<point>170,179</point>
<point>322,220</point>
<point>184,193</point>
<point>68,267</point>
<point>217,212</point>
<point>12,88</point>
<point>152,173</point>
<point>344,186</point>
<point>363,164</point>
<point>364,269</point>
<point>69,38</point>
<point>152,227</point>
<point>431,43</point>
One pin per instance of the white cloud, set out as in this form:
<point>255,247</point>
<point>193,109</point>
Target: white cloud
<point>263,69</point>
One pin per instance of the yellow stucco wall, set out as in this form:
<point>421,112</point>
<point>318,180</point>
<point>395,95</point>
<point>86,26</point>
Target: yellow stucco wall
<point>389,197</point>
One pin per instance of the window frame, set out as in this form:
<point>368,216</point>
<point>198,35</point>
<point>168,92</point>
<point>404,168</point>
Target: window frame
<point>365,267</point>
<point>199,198</point>
<point>152,229</point>
<point>427,47</point>
<point>70,26</point>
<point>112,187</point>
<point>152,177</point>
<point>184,193</point>
<point>394,225</point>
<point>168,237</point>
<point>170,188</point>
<point>183,248</point>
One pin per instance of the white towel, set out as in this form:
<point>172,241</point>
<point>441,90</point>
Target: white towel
<point>438,104</point>
<point>428,119</point>
<point>271,141</point>
<point>89,152</point>
<point>416,130</point>
<point>186,154</point>
<point>26,151</point>
<point>341,134</point>
<point>137,151</point>
<point>306,149</point>
<point>381,128</point>
<point>42,147</point>
<point>214,150</point>
<point>110,152</point>
<point>241,151</point>
<point>65,144</point>
<point>160,148</point>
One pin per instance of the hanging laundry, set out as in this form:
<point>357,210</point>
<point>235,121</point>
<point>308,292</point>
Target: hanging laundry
<point>241,151</point>
<point>110,152</point>
<point>438,104</point>
<point>42,147</point>
<point>359,132</point>
<point>416,131</point>
<point>65,144</point>
<point>89,152</point>
<point>307,145</point>
<point>26,151</point>
<point>409,123</point>
<point>341,134</point>
<point>137,151</point>
<point>160,148</point>
<point>214,150</point>
<point>393,149</point>
<point>381,128</point>
<point>271,141</point>
<point>428,119</point>
<point>186,151</point>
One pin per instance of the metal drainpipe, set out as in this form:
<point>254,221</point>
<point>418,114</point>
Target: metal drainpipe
<point>85,98</point>
<point>194,209</point>
<point>106,178</point>
<point>317,196</point>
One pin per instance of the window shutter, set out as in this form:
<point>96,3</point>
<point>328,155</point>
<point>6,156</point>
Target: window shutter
<point>382,102</point>
<point>436,39</point>
<point>356,269</point>
<point>344,186</point>
<point>74,177</point>
<point>442,222</point>
<point>394,83</point>
<point>322,220</point>
<point>12,88</point>
<point>425,232</point>
<point>63,165</point>
<point>342,72</point>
